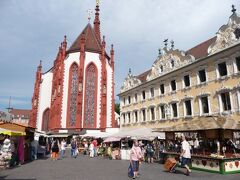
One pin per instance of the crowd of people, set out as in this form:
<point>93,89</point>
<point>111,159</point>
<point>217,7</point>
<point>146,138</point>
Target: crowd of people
<point>152,151</point>
<point>148,151</point>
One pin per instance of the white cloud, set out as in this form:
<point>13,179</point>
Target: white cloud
<point>33,30</point>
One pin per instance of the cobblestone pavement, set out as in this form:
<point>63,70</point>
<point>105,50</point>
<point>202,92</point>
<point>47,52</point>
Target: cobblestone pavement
<point>85,168</point>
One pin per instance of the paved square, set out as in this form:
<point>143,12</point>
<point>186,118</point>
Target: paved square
<point>85,168</point>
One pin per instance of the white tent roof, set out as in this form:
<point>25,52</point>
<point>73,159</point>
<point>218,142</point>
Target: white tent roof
<point>96,134</point>
<point>140,133</point>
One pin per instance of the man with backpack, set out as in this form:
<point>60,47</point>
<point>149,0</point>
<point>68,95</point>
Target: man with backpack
<point>150,152</point>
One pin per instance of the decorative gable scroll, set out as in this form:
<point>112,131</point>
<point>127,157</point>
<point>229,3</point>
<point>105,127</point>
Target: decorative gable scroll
<point>130,82</point>
<point>228,35</point>
<point>170,60</point>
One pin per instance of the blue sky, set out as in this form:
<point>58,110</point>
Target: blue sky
<point>32,30</point>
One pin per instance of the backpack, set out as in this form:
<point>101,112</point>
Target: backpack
<point>149,148</point>
<point>130,171</point>
<point>73,145</point>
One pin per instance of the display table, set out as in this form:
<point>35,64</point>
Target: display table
<point>211,164</point>
<point>125,154</point>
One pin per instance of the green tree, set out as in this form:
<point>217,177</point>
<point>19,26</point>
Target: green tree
<point>117,108</point>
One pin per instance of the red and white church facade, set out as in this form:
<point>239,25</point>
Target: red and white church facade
<point>77,93</point>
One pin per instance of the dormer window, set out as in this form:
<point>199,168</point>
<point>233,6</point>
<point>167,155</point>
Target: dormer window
<point>161,69</point>
<point>172,63</point>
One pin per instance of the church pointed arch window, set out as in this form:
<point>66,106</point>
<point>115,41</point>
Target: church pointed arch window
<point>45,119</point>
<point>91,96</point>
<point>73,92</point>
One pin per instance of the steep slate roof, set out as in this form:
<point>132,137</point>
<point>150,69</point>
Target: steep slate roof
<point>198,52</point>
<point>92,43</point>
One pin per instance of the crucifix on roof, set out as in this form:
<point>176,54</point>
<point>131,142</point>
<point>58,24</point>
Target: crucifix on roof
<point>233,9</point>
<point>89,11</point>
<point>97,2</point>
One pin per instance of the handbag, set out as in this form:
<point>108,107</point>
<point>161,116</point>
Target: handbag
<point>130,171</point>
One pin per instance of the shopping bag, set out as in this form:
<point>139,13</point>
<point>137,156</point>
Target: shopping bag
<point>130,171</point>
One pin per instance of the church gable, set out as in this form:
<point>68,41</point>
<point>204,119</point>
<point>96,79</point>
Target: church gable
<point>92,44</point>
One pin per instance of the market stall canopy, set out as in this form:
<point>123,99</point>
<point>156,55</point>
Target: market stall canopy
<point>11,132</point>
<point>203,123</point>
<point>140,133</point>
<point>111,139</point>
<point>96,134</point>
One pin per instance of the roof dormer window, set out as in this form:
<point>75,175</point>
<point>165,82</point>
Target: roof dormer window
<point>172,63</point>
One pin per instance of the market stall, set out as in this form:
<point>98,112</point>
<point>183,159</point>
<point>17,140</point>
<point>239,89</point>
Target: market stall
<point>21,136</point>
<point>214,141</point>
<point>127,135</point>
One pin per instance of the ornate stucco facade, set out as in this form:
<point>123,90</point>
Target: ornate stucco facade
<point>203,82</point>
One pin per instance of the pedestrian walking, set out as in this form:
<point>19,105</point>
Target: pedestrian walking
<point>150,152</point>
<point>185,156</point>
<point>135,156</point>
<point>63,148</point>
<point>73,148</point>
<point>55,150</point>
<point>91,150</point>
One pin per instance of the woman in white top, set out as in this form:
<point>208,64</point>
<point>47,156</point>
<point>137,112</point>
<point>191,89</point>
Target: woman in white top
<point>63,148</point>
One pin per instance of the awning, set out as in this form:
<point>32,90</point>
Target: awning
<point>203,123</point>
<point>111,139</point>
<point>11,132</point>
<point>96,134</point>
<point>140,133</point>
<point>59,135</point>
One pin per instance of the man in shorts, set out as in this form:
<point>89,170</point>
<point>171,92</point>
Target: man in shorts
<point>185,155</point>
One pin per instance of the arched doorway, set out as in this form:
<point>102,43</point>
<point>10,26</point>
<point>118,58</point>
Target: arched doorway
<point>45,119</point>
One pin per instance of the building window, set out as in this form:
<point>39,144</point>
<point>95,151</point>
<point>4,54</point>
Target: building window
<point>202,76</point>
<point>222,69</point>
<point>124,119</point>
<point>129,99</point>
<point>188,108</point>
<point>174,110</point>
<point>143,95</point>
<point>173,85</point>
<point>136,97</point>
<point>152,113</point>
<point>204,103</point>
<point>162,110</point>
<point>172,63</point>
<point>144,115</point>
<point>186,80</point>
<point>152,92</point>
<point>136,116</point>
<point>129,117</point>
<point>124,101</point>
<point>238,63</point>
<point>226,103</point>
<point>162,90</point>
<point>161,69</point>
<point>73,94</point>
